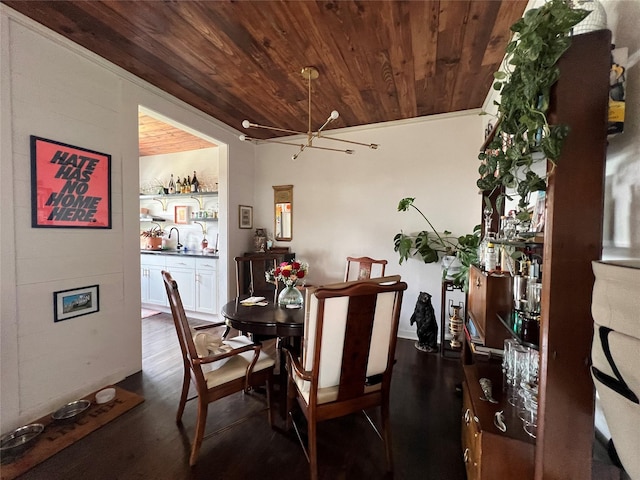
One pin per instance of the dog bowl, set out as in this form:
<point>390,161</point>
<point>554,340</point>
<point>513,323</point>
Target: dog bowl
<point>71,411</point>
<point>105,395</point>
<point>14,444</point>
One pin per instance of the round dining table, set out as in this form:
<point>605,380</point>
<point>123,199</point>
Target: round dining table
<point>270,320</point>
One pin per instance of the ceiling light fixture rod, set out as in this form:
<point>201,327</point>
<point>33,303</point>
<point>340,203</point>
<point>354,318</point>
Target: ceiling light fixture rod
<point>302,146</point>
<point>248,124</point>
<point>373,146</point>
<point>309,74</point>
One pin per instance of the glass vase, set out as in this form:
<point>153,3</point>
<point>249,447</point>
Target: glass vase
<point>290,296</point>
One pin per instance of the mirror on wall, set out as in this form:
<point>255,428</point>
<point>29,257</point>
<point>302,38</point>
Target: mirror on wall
<point>283,201</point>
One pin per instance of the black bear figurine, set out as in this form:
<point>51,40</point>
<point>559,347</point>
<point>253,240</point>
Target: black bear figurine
<point>427,326</point>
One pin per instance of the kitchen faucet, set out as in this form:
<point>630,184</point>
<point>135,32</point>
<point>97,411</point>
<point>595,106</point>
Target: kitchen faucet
<point>179,246</point>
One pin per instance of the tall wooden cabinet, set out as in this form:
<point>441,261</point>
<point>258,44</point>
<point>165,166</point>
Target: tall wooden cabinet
<point>572,240</point>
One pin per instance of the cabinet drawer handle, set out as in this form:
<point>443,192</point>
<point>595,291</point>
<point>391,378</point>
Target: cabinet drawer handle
<point>467,417</point>
<point>478,284</point>
<point>465,456</point>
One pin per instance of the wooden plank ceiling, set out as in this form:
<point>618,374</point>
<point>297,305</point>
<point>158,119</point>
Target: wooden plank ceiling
<point>156,137</point>
<point>378,60</point>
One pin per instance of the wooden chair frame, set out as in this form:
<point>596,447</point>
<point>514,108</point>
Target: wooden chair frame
<point>269,261</point>
<point>193,369</point>
<point>351,396</point>
<point>365,264</point>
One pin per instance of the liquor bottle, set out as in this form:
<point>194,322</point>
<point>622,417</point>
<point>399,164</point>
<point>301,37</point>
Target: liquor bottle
<point>185,186</point>
<point>172,185</point>
<point>178,186</point>
<point>194,183</point>
<point>488,236</point>
<point>491,257</point>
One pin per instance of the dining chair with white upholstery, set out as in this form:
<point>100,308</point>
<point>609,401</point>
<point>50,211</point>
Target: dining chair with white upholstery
<point>347,355</point>
<point>218,367</point>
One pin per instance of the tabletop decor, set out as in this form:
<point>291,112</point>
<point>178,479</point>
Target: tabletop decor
<point>70,186</point>
<point>289,273</point>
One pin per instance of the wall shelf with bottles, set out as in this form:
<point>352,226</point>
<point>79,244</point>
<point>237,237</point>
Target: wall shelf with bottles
<point>165,198</point>
<point>533,242</point>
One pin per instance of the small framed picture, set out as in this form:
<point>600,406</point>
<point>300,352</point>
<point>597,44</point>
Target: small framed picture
<point>181,215</point>
<point>246,216</point>
<point>75,302</point>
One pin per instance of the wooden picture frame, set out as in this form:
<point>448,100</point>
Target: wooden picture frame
<point>245,216</point>
<point>75,302</point>
<point>70,186</point>
<point>181,215</point>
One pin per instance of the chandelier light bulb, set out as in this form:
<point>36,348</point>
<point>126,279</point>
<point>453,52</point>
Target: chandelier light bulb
<point>246,123</point>
<point>242,138</point>
<point>334,115</point>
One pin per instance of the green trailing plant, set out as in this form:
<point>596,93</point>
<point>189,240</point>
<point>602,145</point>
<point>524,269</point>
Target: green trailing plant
<point>430,245</point>
<point>523,134</point>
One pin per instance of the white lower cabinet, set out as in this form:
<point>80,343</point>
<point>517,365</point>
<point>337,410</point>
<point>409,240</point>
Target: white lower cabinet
<point>182,269</point>
<point>197,280</point>
<point>207,286</point>
<point>151,283</point>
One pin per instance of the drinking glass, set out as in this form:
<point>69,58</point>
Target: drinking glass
<point>530,425</point>
<point>507,360</point>
<point>520,362</point>
<point>534,292</point>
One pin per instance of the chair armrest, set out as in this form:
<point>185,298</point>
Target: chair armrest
<point>294,361</point>
<point>209,325</point>
<point>235,351</point>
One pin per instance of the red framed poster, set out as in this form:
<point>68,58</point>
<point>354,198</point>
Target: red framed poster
<point>70,186</point>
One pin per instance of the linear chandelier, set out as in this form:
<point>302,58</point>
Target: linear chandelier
<point>309,74</point>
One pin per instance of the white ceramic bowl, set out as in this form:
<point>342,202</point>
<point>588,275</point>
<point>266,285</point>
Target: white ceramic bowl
<point>106,395</point>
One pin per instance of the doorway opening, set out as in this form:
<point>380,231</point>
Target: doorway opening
<point>180,220</point>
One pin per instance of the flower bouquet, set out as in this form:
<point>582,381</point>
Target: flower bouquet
<point>289,273</point>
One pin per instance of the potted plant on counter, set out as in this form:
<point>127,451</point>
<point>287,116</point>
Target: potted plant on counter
<point>457,253</point>
<point>151,239</point>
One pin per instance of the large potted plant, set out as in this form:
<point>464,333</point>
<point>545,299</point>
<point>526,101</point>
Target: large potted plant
<point>523,135</point>
<point>433,246</point>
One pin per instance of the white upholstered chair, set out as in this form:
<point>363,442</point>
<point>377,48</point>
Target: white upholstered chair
<point>217,367</point>
<point>615,355</point>
<point>347,355</point>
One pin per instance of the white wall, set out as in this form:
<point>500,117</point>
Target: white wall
<point>622,214</point>
<point>53,88</point>
<point>347,204</point>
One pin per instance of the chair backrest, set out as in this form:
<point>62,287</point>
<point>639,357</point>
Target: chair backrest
<point>250,274</point>
<point>185,334</point>
<point>359,268</point>
<point>350,334</point>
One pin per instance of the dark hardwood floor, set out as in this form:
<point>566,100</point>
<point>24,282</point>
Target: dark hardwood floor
<point>146,442</point>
